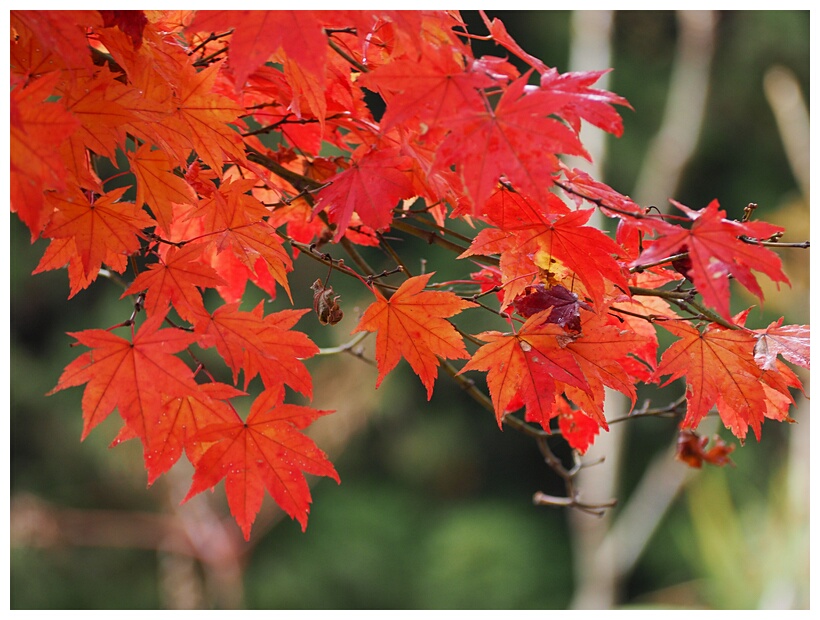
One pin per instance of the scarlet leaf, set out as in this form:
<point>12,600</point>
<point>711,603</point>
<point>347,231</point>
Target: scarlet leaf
<point>500,35</point>
<point>716,251</point>
<point>132,376</point>
<point>157,185</point>
<point>720,370</point>
<point>258,34</point>
<point>266,451</point>
<point>578,429</point>
<point>585,251</point>
<point>99,227</point>
<point>263,345</point>
<point>412,324</point>
<point>63,33</point>
<point>582,102</point>
<point>524,367</point>
<point>519,140</point>
<point>433,89</point>
<point>374,183</point>
<point>175,280</point>
<point>36,127</point>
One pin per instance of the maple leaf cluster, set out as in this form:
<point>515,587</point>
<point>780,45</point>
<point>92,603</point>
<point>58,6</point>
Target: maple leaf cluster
<point>243,141</point>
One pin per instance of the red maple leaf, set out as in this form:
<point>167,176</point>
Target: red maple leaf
<point>720,370</point>
<point>131,376</point>
<point>433,88</point>
<point>37,126</point>
<point>576,427</point>
<point>266,451</point>
<point>131,23</point>
<point>64,33</point>
<point>524,367</point>
<point>99,227</point>
<point>258,34</point>
<point>542,239</point>
<point>499,34</point>
<point>519,139</point>
<point>157,185</point>
<point>717,251</point>
<point>412,324</point>
<point>176,280</point>
<point>371,186</point>
<point>263,345</point>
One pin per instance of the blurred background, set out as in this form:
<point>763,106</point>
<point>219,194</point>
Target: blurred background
<point>435,506</point>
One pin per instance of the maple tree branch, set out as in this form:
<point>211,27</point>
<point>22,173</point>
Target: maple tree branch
<point>433,238</point>
<point>114,277</point>
<point>417,216</point>
<point>345,55</point>
<point>658,412</point>
<point>705,313</point>
<point>286,120</point>
<point>673,296</point>
<point>322,257</point>
<point>211,37</point>
<point>351,347</point>
<point>572,499</point>
<point>601,203</point>
<point>661,261</point>
<point>776,244</point>
<point>206,60</point>
<point>299,181</point>
<point>392,253</point>
<point>490,291</point>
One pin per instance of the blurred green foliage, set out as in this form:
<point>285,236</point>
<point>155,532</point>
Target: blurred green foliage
<point>434,508</point>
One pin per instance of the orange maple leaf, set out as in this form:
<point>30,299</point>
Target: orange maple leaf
<point>131,376</point>
<point>233,221</point>
<point>720,370</point>
<point>180,418</point>
<point>37,127</point>
<point>157,185</point>
<point>412,324</point>
<point>176,280</point>
<point>102,120</point>
<point>258,344</point>
<point>100,226</point>
<point>266,451</point>
<point>524,368</point>
<point>203,116</point>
